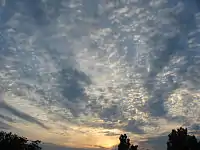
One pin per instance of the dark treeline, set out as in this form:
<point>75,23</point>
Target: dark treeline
<point>177,140</point>
<point>10,141</point>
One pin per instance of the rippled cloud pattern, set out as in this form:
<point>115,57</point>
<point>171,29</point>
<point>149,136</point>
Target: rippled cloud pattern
<point>96,69</point>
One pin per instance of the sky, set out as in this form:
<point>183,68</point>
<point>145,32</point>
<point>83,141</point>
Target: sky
<point>78,73</point>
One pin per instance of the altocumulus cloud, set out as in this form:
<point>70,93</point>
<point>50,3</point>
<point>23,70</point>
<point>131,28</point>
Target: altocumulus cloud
<point>84,71</point>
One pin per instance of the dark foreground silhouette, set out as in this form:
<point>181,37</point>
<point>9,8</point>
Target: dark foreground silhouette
<point>177,140</point>
<point>10,141</point>
<point>180,140</point>
<point>125,143</point>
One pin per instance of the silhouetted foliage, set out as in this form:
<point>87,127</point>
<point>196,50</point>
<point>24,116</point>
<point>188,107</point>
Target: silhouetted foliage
<point>9,141</point>
<point>180,140</point>
<point>177,140</point>
<point>125,143</point>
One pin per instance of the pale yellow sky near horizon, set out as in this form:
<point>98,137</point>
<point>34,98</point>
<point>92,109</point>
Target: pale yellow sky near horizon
<point>73,135</point>
<point>83,136</point>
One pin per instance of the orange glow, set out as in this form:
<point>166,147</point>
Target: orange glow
<point>79,137</point>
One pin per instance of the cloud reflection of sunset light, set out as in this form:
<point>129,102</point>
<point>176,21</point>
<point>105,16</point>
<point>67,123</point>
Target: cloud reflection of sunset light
<point>81,72</point>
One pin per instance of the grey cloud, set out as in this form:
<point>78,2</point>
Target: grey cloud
<point>6,118</point>
<point>112,113</point>
<point>164,56</point>
<point>158,142</point>
<point>159,91</point>
<point>50,146</point>
<point>22,115</point>
<point>177,119</point>
<point>72,82</point>
<point>108,133</point>
<point>174,46</point>
<point>134,126</point>
<point>195,127</point>
<point>5,126</point>
<point>32,9</point>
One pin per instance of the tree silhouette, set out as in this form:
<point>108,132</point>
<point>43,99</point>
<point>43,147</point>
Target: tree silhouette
<point>180,140</point>
<point>10,141</point>
<point>125,143</point>
<point>177,140</point>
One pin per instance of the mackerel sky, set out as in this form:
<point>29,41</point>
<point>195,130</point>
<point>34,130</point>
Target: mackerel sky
<point>78,73</point>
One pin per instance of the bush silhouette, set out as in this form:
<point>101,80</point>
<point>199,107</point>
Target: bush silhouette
<point>177,140</point>
<point>180,140</point>
<point>125,143</point>
<point>9,141</point>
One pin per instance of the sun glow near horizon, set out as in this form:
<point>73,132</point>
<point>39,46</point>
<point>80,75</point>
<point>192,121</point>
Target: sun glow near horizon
<point>81,137</point>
